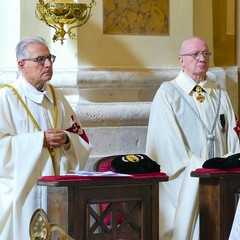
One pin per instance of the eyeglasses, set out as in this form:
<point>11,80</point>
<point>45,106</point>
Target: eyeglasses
<point>197,55</point>
<point>41,59</point>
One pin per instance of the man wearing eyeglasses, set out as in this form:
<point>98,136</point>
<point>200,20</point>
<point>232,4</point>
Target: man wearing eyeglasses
<point>191,120</point>
<point>39,135</point>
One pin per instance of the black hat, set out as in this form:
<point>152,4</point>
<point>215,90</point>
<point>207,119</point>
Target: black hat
<point>134,163</point>
<point>232,161</point>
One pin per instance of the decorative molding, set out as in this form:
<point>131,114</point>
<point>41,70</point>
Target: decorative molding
<point>114,114</point>
<point>97,78</point>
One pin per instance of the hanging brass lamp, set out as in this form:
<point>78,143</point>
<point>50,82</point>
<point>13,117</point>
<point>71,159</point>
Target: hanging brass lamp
<point>58,13</point>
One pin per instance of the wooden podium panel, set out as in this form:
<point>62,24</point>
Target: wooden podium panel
<point>218,196</point>
<point>75,206</point>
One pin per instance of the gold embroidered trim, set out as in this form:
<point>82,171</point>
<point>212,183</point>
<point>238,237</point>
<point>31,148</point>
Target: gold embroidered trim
<point>51,151</point>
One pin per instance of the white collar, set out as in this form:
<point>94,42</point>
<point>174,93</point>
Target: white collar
<point>25,88</point>
<point>187,84</point>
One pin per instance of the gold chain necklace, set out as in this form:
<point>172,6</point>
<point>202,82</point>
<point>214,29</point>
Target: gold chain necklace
<point>51,150</point>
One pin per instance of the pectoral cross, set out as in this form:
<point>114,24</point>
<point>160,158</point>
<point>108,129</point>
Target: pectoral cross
<point>199,90</point>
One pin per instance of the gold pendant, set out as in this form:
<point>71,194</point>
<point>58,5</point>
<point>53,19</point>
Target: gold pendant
<point>198,89</point>
<point>200,97</point>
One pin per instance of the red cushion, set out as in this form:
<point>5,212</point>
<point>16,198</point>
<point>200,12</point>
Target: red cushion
<point>107,219</point>
<point>105,166</point>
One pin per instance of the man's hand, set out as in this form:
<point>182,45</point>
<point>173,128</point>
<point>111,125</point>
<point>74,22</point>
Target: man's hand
<point>54,138</point>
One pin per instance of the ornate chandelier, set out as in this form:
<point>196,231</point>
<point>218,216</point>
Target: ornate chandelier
<point>57,13</point>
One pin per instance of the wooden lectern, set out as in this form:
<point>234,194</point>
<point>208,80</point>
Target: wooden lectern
<point>218,197</point>
<point>73,202</point>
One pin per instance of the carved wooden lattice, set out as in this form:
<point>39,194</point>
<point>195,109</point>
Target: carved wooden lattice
<point>128,228</point>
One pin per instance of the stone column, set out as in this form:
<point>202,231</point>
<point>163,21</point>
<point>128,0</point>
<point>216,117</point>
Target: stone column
<point>9,36</point>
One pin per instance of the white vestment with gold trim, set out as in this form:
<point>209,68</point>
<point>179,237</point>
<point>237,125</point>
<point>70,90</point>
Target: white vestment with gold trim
<point>23,160</point>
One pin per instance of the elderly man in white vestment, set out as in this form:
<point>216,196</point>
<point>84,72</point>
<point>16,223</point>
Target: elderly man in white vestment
<point>191,120</point>
<point>39,135</point>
